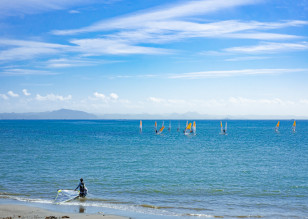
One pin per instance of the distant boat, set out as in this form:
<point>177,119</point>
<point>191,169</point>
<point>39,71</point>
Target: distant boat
<point>277,127</point>
<point>294,126</point>
<point>161,129</point>
<point>169,126</point>
<point>194,128</point>
<point>140,125</point>
<point>187,129</point>
<point>223,131</point>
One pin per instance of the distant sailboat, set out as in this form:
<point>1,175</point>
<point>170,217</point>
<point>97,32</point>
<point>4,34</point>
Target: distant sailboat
<point>140,125</point>
<point>194,128</point>
<point>161,129</point>
<point>155,126</point>
<point>169,126</point>
<point>223,131</point>
<point>294,126</point>
<point>187,129</point>
<point>277,127</point>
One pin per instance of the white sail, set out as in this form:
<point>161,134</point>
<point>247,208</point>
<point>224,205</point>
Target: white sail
<point>169,125</point>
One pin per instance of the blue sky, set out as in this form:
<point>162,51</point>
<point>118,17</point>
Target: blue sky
<point>217,57</point>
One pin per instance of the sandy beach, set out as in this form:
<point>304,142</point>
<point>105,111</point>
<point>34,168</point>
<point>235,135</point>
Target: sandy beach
<point>22,211</point>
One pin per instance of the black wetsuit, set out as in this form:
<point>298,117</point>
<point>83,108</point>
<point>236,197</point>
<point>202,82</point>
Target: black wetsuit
<point>83,190</point>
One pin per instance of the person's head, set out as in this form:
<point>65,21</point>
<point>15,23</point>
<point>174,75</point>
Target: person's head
<point>81,180</point>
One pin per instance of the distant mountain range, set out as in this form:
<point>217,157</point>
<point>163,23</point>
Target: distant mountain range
<point>57,114</point>
<point>80,115</point>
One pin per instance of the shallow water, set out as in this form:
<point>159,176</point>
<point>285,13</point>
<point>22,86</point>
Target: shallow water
<point>252,171</point>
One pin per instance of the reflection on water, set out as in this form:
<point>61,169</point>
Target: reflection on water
<point>82,209</point>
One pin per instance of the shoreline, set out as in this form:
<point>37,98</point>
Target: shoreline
<point>11,211</point>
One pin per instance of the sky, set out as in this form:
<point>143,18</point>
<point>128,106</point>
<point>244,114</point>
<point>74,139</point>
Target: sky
<point>215,57</point>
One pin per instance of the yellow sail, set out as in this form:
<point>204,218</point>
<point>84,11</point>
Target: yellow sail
<point>278,124</point>
<point>155,124</point>
<point>194,125</point>
<point>188,127</point>
<point>140,123</point>
<point>294,123</point>
<point>220,124</point>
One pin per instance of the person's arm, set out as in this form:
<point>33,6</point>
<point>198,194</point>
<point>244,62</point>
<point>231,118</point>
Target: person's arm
<point>78,186</point>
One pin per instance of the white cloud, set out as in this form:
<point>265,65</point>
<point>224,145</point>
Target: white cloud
<point>156,100</point>
<point>114,96</point>
<point>12,94</point>
<point>73,62</point>
<point>3,96</point>
<point>99,46</point>
<point>22,49</point>
<point>18,72</point>
<point>269,48</point>
<point>100,96</point>
<point>191,8</point>
<point>304,101</point>
<point>22,7</point>
<point>229,73</point>
<point>74,12</point>
<point>26,93</point>
<point>53,97</point>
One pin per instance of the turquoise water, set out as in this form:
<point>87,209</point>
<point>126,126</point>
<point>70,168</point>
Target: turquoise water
<point>253,171</point>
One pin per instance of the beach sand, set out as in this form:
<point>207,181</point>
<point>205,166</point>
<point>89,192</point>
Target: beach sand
<point>22,211</point>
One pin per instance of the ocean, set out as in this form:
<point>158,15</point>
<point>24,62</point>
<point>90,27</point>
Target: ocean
<point>251,172</point>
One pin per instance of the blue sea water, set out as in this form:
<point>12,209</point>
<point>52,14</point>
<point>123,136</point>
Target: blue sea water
<point>251,172</point>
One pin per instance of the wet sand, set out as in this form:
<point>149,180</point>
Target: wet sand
<point>21,211</point>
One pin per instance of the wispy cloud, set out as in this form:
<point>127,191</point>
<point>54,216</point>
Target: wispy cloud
<point>94,47</point>
<point>23,49</point>
<point>187,9</point>
<point>269,48</point>
<point>23,7</point>
<point>20,72</point>
<point>53,97</point>
<point>72,62</point>
<point>229,73</point>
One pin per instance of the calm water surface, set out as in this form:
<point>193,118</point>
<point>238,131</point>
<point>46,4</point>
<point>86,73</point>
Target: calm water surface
<point>253,171</point>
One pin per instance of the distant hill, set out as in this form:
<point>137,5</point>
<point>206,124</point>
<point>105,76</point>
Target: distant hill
<point>74,114</point>
<point>57,114</point>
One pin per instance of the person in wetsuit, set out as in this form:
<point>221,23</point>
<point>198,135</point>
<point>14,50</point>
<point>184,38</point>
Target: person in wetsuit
<point>82,189</point>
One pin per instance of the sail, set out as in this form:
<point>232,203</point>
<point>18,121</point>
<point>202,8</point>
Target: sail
<point>169,125</point>
<point>65,195</point>
<point>179,127</point>
<point>221,128</point>
<point>161,129</point>
<point>155,126</point>
<point>294,126</point>
<point>226,127</point>
<point>194,127</point>
<point>277,126</point>
<point>140,125</point>
<point>187,129</point>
